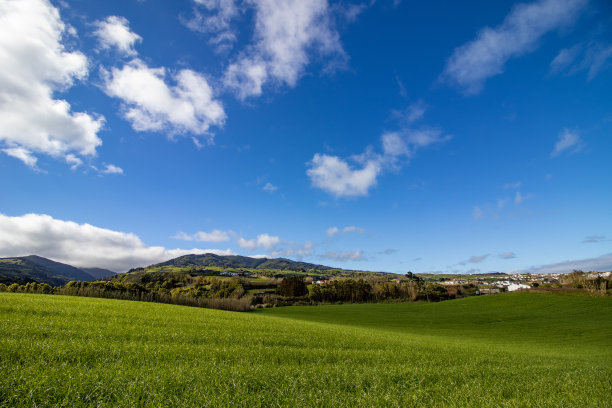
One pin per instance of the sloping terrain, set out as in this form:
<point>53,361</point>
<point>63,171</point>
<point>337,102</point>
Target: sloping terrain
<point>38,269</point>
<point>486,351</point>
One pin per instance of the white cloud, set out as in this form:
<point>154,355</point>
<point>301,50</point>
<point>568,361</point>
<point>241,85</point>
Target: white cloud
<point>214,17</point>
<point>474,62</point>
<point>343,256</point>
<point>355,176</point>
<point>478,259</point>
<point>270,188</point>
<point>150,104</point>
<point>512,186</point>
<point>567,141</point>
<point>594,57</point>
<point>265,241</point>
<point>82,245</point>
<point>35,64</point>
<point>346,230</point>
<point>352,228</point>
<point>22,154</point>
<point>412,112</point>
<point>298,251</point>
<point>201,236</point>
<point>332,231</point>
<point>287,32</point>
<point>114,32</point>
<point>339,178</point>
<point>507,255</point>
<point>564,59</point>
<point>601,263</point>
<point>112,169</point>
<point>73,161</point>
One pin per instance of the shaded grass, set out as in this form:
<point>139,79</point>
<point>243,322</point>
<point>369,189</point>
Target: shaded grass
<point>69,351</point>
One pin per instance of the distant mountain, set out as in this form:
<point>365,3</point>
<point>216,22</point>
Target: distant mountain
<point>98,273</point>
<point>38,269</point>
<point>236,261</point>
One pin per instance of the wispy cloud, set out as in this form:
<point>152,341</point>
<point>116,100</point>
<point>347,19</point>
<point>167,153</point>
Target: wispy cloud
<point>567,141</point>
<point>477,213</point>
<point>201,236</point>
<point>269,187</point>
<point>512,186</point>
<point>344,256</point>
<point>520,198</point>
<point>507,255</point>
<point>591,239</point>
<point>474,62</point>
<point>346,230</point>
<point>600,263</point>
<point>593,58</point>
<point>214,18</point>
<point>478,259</point>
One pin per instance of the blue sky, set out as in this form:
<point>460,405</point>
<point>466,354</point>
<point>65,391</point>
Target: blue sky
<point>383,135</point>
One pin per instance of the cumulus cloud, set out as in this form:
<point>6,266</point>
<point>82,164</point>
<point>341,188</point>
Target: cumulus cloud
<point>356,175</point>
<point>150,104</point>
<point>341,179</point>
<point>201,236</point>
<point>474,62</point>
<point>82,245</point>
<point>36,64</point>
<point>114,32</point>
<point>601,263</point>
<point>344,256</point>
<point>507,255</point>
<point>112,169</point>
<point>567,141</point>
<point>264,241</point>
<point>287,33</point>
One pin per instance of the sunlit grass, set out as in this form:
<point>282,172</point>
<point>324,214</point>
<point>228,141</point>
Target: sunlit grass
<point>70,351</point>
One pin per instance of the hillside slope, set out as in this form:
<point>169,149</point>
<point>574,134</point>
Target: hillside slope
<point>34,268</point>
<point>109,353</point>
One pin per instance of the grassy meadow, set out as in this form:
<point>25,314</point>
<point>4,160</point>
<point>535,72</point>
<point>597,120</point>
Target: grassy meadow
<point>518,349</point>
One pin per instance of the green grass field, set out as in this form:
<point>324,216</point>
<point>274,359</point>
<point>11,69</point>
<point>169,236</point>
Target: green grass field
<point>513,350</point>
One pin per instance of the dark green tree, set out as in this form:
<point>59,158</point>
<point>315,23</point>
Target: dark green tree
<point>293,286</point>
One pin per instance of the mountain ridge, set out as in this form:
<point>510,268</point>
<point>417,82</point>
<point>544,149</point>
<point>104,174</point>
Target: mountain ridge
<point>34,268</point>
